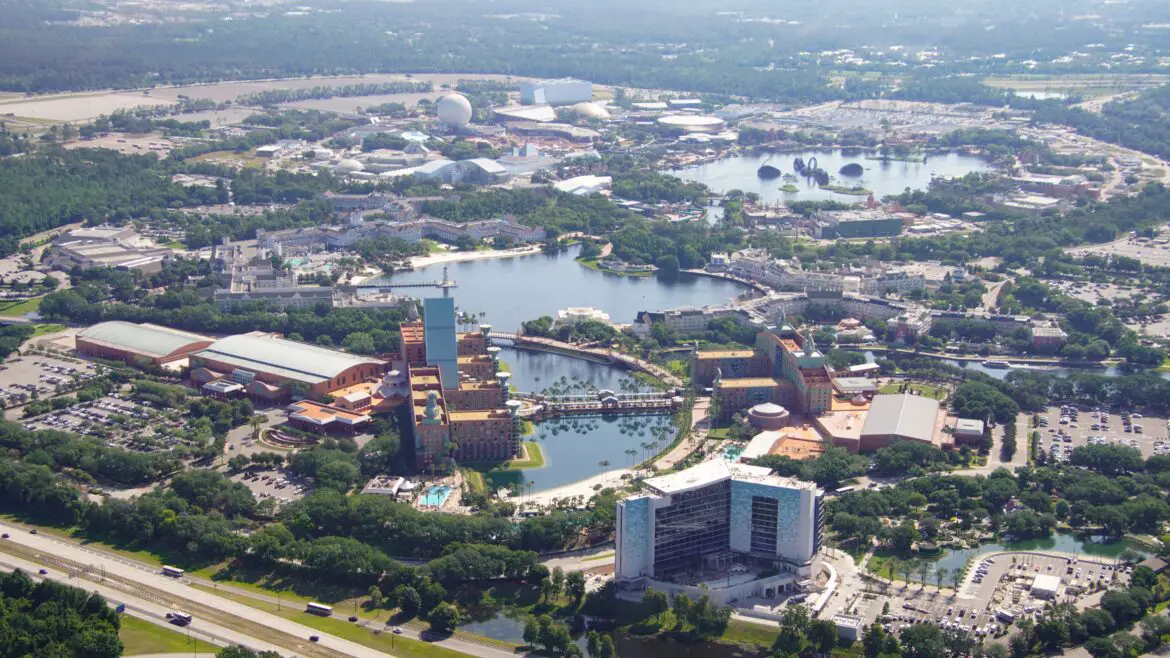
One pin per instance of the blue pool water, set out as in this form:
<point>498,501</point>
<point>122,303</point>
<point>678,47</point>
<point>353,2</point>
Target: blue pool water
<point>732,453</point>
<point>436,495</point>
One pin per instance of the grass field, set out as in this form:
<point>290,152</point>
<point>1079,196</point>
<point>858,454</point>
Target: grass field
<point>396,645</point>
<point>535,456</point>
<point>142,637</point>
<point>740,632</point>
<point>42,329</point>
<point>17,309</point>
<point>936,392</point>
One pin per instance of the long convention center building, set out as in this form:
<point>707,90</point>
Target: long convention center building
<point>449,382</point>
<point>139,344</point>
<point>720,528</point>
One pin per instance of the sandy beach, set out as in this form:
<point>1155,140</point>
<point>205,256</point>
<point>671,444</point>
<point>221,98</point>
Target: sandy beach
<point>580,488</point>
<point>460,256</point>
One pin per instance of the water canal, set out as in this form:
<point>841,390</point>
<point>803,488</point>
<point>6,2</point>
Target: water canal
<point>881,177</point>
<point>512,290</point>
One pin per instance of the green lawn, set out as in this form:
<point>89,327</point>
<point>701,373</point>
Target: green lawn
<point>535,456</point>
<point>396,645</point>
<point>18,309</point>
<point>609,555</point>
<point>142,637</point>
<point>474,479</point>
<point>742,632</point>
<point>175,244</point>
<point>936,392</point>
<point>42,329</point>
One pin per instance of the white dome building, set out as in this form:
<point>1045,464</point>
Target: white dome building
<point>454,110</point>
<point>590,110</point>
<point>348,166</point>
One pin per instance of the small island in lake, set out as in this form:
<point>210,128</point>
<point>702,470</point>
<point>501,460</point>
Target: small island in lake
<point>851,169</point>
<point>767,171</point>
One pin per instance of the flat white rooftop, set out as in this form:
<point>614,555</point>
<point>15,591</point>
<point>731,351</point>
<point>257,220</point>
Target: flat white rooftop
<point>717,470</point>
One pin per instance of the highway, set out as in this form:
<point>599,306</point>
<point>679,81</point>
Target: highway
<point>139,608</point>
<point>134,583</point>
<point>148,592</point>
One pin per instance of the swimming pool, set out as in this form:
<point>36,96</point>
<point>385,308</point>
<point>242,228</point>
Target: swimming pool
<point>436,495</point>
<point>732,453</point>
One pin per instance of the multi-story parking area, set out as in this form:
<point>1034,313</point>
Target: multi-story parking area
<point>45,376</point>
<point>1063,429</point>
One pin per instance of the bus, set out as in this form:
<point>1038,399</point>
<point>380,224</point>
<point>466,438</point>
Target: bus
<point>319,609</point>
<point>179,618</point>
<point>173,572</point>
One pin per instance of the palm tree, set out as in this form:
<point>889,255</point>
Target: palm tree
<point>604,464</point>
<point>644,447</point>
<point>632,453</point>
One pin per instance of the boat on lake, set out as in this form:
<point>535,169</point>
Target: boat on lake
<point>996,364</point>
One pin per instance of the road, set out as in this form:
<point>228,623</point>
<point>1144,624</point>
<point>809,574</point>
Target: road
<point>149,576</point>
<point>992,294</point>
<point>698,434</point>
<point>294,637</point>
<point>141,608</point>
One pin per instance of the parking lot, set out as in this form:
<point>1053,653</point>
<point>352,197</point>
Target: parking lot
<point>44,375</point>
<point>1154,251</point>
<point>280,485</point>
<point>1063,430</point>
<point>120,421</point>
<point>998,589</point>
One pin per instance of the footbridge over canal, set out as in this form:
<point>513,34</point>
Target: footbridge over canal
<point>538,407</point>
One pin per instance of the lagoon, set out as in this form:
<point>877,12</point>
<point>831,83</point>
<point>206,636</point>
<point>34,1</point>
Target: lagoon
<point>512,290</point>
<point>881,177</point>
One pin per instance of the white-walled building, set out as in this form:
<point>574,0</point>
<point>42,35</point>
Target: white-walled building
<point>733,518</point>
<point>562,91</point>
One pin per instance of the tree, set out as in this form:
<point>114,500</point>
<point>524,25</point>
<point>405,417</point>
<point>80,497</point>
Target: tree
<point>376,597</point>
<point>1052,633</point>
<point>244,652</point>
<point>668,267</point>
<point>608,650</point>
<point>575,586</point>
<point>592,644</point>
<point>874,640</point>
<point>558,579</point>
<point>1102,647</point>
<point>408,600</point>
<point>655,602</point>
<point>923,641</point>
<point>444,618</point>
<point>823,635</point>
<point>548,590</point>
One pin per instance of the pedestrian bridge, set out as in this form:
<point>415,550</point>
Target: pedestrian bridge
<point>602,402</point>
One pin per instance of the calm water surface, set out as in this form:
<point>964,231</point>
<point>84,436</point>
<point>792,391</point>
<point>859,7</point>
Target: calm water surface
<point>883,178</point>
<point>512,290</point>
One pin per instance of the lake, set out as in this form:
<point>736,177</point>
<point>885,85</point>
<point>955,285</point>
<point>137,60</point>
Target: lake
<point>883,178</point>
<point>512,290</point>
